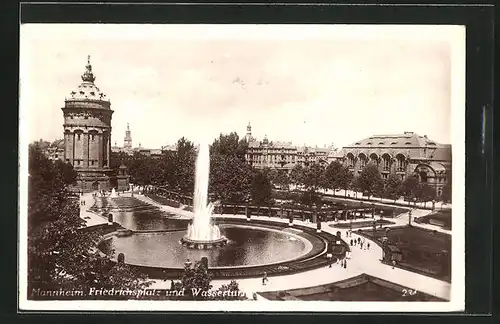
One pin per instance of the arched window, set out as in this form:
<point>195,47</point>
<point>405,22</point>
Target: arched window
<point>400,163</point>
<point>386,162</point>
<point>350,160</point>
<point>362,160</point>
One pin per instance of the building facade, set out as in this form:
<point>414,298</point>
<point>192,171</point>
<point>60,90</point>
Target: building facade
<point>53,151</point>
<point>87,134</point>
<point>283,155</point>
<point>401,154</point>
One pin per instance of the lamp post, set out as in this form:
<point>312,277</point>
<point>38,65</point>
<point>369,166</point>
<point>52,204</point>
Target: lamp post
<point>247,210</point>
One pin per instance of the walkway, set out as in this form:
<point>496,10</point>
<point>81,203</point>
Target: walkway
<point>169,209</point>
<point>352,195</point>
<point>91,218</point>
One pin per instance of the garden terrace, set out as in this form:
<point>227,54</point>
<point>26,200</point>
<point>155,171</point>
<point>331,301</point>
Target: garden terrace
<point>423,251</point>
<point>360,288</point>
<point>120,203</point>
<point>440,218</point>
<point>163,200</point>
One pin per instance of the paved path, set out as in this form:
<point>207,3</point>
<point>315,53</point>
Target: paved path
<point>178,211</point>
<point>352,195</point>
<point>91,218</point>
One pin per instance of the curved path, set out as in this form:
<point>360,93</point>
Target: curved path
<point>361,261</point>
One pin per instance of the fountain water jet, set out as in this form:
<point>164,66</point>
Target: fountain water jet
<point>201,233</point>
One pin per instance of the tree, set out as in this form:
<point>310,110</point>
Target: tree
<point>425,193</point>
<point>370,180</point>
<point>230,178</point>
<point>282,180</point>
<point>410,186</point>
<point>297,175</point>
<point>47,186</point>
<point>313,177</point>
<point>345,179</point>
<point>230,291</point>
<point>332,175</point>
<point>196,279</point>
<point>446,193</point>
<point>60,253</point>
<point>261,191</point>
<point>184,162</point>
<point>393,187</point>
<point>196,282</point>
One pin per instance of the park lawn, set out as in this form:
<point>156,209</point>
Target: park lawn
<point>421,249</point>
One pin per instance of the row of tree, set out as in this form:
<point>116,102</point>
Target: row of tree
<point>369,182</point>
<point>233,179</point>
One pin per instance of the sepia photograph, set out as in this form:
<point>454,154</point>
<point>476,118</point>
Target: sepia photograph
<point>242,167</point>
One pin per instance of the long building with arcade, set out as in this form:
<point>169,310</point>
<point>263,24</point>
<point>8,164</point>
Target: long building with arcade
<point>401,154</point>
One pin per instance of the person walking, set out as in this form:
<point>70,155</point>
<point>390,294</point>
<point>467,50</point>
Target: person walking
<point>393,263</point>
<point>264,279</point>
<point>359,240</point>
<point>351,242</point>
<point>361,245</point>
<point>345,264</point>
<point>368,245</point>
<point>346,233</point>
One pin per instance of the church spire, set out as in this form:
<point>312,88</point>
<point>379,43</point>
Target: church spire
<point>88,76</point>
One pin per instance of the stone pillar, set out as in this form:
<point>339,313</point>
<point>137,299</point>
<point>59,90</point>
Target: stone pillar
<point>314,215</point>
<point>121,258</point>
<point>85,149</point>
<point>109,148</point>
<point>99,141</point>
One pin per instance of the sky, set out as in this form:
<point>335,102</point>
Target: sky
<point>313,85</point>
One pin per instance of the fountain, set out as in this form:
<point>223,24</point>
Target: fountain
<point>201,233</point>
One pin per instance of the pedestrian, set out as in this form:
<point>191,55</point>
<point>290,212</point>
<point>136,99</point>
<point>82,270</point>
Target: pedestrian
<point>346,233</point>
<point>359,240</point>
<point>351,242</point>
<point>361,245</point>
<point>264,279</point>
<point>368,245</point>
<point>345,264</point>
<point>393,263</point>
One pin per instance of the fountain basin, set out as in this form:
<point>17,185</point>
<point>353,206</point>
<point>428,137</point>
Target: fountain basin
<point>203,245</point>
